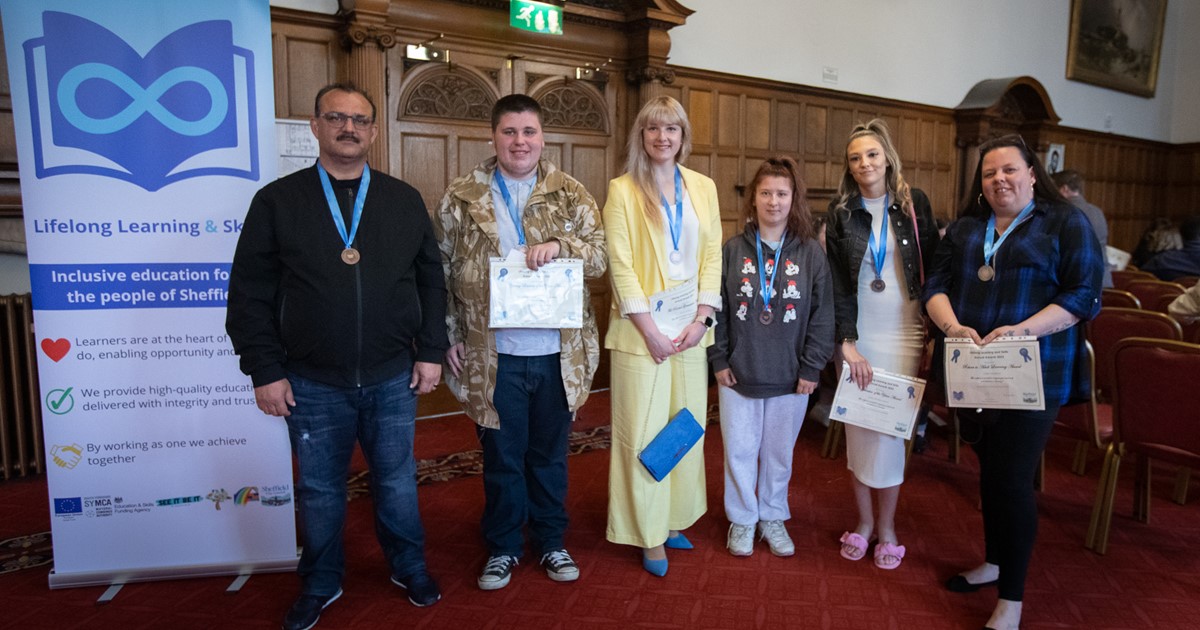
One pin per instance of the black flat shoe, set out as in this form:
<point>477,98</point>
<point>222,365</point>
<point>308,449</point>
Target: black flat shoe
<point>959,584</point>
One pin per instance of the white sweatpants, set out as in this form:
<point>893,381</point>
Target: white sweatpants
<point>760,437</point>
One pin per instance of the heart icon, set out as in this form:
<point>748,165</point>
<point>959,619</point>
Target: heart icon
<point>56,349</point>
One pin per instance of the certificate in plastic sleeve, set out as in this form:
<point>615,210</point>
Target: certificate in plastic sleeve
<point>672,310</point>
<point>549,297</point>
<point>1005,374</point>
<point>888,405</point>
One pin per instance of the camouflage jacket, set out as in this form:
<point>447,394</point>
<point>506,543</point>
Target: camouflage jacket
<point>559,208</point>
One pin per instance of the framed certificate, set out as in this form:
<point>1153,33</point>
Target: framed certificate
<point>888,405</point>
<point>672,310</point>
<point>1005,374</point>
<point>549,297</point>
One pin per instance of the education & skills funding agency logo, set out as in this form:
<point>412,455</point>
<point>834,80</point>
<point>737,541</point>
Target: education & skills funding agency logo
<point>184,109</point>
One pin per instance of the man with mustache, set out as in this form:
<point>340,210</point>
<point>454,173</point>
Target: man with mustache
<point>337,310</point>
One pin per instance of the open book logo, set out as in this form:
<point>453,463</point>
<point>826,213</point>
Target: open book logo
<point>184,109</point>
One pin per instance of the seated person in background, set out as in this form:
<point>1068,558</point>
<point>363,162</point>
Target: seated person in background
<point>1169,265</point>
<point>1186,308</point>
<point>1070,184</point>
<point>1161,236</point>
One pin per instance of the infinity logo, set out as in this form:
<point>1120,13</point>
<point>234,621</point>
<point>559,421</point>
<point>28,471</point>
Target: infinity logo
<point>145,101</point>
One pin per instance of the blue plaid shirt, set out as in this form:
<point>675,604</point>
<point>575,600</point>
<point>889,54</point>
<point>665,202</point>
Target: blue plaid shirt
<point>1051,258</point>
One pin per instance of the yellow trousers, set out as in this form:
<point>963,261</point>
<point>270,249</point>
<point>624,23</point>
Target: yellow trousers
<point>642,511</point>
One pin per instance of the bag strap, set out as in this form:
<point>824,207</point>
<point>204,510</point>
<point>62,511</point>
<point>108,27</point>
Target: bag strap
<point>653,388</point>
<point>912,213</point>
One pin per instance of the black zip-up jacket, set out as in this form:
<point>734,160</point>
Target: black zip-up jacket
<point>294,306</point>
<point>846,235</point>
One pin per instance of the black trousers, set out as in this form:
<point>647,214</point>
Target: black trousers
<point>1009,450</point>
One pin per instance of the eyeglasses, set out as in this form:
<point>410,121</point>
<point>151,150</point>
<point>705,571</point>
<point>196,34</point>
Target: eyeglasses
<point>338,119</point>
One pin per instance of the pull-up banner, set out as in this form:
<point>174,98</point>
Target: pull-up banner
<point>143,130</point>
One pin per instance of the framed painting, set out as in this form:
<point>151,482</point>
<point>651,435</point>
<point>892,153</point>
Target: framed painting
<point>1116,43</point>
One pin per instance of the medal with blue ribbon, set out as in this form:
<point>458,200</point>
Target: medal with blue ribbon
<point>879,250</point>
<point>991,243</point>
<point>513,211</point>
<point>766,286</point>
<point>676,223</point>
<point>350,256</point>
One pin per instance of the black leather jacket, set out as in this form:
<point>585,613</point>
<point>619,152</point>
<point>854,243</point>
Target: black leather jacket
<point>846,242</point>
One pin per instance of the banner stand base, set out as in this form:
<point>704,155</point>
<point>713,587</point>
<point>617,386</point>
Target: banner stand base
<point>116,579</point>
<point>109,594</point>
<point>237,584</point>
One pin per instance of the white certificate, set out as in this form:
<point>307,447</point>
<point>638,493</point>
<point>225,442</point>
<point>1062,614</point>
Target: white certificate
<point>549,297</point>
<point>672,310</point>
<point>1005,374</point>
<point>888,405</point>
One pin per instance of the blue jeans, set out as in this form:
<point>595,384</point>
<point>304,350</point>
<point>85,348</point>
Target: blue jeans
<point>323,427</point>
<point>525,460</point>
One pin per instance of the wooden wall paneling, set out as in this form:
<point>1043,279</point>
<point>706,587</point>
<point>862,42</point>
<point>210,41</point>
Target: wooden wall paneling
<point>307,54</point>
<point>729,115</point>
<point>425,167</point>
<point>788,129</point>
<point>757,124</point>
<point>701,116</point>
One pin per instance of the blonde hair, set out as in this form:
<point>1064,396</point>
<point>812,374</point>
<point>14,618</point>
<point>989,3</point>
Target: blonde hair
<point>662,110</point>
<point>897,187</point>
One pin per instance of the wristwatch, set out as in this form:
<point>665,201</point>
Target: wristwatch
<point>708,322</point>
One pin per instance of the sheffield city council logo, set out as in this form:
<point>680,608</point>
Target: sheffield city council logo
<point>184,109</point>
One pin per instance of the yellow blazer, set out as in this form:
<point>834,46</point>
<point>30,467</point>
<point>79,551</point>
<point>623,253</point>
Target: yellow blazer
<point>637,256</point>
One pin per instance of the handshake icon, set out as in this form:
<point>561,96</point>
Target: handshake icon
<point>66,456</point>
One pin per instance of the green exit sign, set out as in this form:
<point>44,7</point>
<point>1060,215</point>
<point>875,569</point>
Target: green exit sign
<point>539,17</point>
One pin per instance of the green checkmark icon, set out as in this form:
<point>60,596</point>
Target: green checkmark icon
<point>60,401</point>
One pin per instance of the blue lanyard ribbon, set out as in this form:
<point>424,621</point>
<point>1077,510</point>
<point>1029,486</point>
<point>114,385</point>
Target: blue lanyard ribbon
<point>513,211</point>
<point>763,282</point>
<point>336,210</point>
<point>879,251</point>
<point>990,244</point>
<point>675,225</point>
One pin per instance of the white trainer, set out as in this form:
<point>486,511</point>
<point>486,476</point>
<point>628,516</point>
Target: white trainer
<point>777,537</point>
<point>741,539</point>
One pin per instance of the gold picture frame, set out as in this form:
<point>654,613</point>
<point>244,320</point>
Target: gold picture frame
<point>1116,43</point>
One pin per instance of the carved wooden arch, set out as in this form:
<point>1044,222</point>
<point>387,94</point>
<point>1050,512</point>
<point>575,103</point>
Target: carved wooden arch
<point>453,92</point>
<point>571,105</point>
<point>998,106</point>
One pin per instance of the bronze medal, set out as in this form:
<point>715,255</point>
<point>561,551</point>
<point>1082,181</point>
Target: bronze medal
<point>766,316</point>
<point>986,273</point>
<point>878,285</point>
<point>350,256</point>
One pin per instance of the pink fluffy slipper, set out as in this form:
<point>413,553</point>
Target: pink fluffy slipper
<point>888,550</point>
<point>859,544</point>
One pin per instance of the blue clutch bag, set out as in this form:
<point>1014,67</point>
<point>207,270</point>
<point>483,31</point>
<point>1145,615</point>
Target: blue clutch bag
<point>671,444</point>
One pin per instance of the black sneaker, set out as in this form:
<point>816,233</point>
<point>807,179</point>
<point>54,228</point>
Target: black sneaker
<point>497,572</point>
<point>560,567</point>
<point>422,590</point>
<point>306,611</point>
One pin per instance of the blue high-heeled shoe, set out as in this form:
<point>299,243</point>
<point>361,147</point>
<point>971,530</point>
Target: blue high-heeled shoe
<point>654,567</point>
<point>678,541</point>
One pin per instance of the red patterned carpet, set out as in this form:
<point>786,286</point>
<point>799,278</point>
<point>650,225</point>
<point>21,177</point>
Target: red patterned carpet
<point>1149,579</point>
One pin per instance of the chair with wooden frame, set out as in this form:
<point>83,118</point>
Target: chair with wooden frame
<point>1119,299</point>
<point>1088,422</point>
<point>1113,324</point>
<point>1187,281</point>
<point>1124,277</point>
<point>1151,293</point>
<point>1155,416</point>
